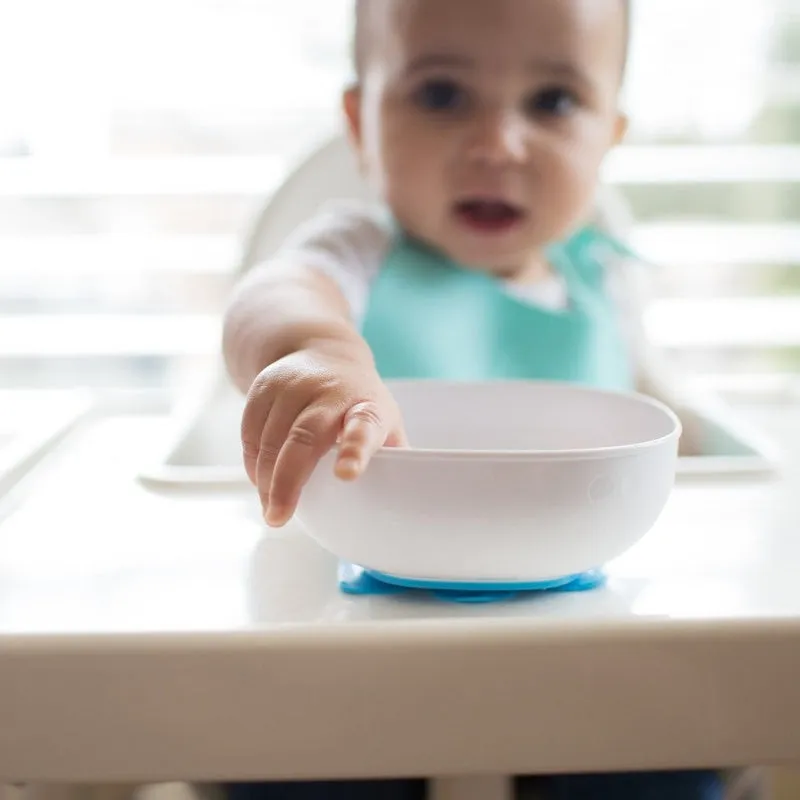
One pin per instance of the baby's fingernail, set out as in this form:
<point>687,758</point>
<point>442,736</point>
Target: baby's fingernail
<point>276,517</point>
<point>348,468</point>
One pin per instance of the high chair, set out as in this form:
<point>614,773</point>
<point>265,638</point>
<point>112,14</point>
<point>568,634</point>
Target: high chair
<point>330,173</point>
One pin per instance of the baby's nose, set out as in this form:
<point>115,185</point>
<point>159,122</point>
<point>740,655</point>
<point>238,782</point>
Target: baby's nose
<point>499,139</point>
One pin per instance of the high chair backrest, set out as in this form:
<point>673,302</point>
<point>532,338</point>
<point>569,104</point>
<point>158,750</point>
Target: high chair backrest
<point>331,173</point>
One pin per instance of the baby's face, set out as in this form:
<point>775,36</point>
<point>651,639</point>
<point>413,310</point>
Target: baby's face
<point>483,123</point>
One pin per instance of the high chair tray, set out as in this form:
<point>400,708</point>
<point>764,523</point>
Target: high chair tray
<point>31,423</point>
<point>203,449</point>
<point>105,584</point>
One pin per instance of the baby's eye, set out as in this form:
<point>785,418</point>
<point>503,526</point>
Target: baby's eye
<point>440,95</point>
<point>555,102</point>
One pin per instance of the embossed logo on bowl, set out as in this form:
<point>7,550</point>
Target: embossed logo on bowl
<point>602,488</point>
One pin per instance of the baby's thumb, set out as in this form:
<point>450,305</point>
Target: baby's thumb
<point>363,434</point>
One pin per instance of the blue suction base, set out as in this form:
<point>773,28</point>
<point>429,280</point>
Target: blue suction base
<point>356,580</point>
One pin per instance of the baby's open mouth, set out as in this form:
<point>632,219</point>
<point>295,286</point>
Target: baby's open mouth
<point>489,215</point>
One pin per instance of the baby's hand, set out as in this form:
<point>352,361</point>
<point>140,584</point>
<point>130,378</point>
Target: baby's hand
<point>297,410</point>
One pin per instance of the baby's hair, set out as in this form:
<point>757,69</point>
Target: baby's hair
<point>362,27</point>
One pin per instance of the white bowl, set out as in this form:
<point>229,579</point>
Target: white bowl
<point>505,483</point>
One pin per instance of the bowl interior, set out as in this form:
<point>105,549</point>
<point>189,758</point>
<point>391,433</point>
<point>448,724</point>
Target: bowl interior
<point>526,416</point>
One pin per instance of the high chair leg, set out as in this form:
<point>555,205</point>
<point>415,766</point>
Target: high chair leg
<point>491,787</point>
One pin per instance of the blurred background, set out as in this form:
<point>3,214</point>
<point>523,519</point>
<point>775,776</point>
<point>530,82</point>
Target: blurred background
<point>138,139</point>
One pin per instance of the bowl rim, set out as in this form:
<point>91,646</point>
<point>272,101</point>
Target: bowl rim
<point>577,454</point>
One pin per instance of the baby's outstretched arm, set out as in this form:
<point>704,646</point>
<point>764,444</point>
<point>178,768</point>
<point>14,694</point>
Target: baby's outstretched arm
<point>290,344</point>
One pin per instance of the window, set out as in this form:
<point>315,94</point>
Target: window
<point>139,137</point>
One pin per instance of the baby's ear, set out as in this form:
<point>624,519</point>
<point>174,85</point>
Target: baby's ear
<point>621,126</point>
<point>351,104</point>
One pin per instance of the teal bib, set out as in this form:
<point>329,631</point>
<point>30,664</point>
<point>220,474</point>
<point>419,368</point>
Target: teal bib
<point>427,317</point>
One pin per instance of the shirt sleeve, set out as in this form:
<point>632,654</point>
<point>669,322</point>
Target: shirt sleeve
<point>348,242</point>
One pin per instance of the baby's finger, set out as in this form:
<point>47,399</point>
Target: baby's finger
<point>256,411</point>
<point>286,409</point>
<point>312,435</point>
<point>363,434</point>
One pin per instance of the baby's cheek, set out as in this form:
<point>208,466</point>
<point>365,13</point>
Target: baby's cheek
<point>411,169</point>
<point>574,186</point>
<point>396,167</point>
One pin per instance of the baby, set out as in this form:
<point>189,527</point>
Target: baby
<point>482,125</point>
